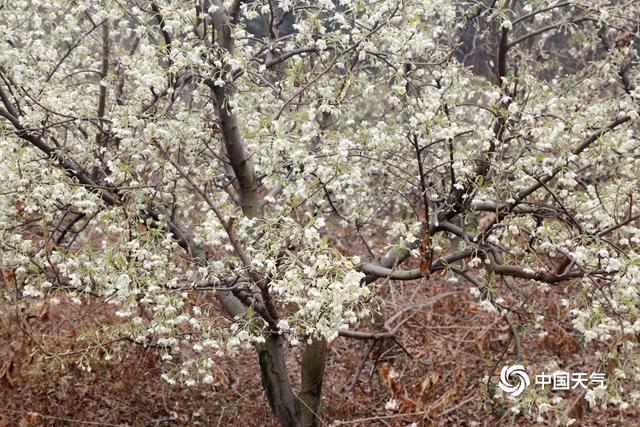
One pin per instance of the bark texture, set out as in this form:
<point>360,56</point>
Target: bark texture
<point>313,362</point>
<point>275,381</point>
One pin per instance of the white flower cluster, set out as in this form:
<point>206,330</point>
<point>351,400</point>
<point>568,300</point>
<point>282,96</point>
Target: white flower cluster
<point>126,183</point>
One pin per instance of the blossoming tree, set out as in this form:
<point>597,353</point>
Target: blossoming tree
<point>182,158</point>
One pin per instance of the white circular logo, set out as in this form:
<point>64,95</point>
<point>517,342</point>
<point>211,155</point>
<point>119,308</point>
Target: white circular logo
<point>516,372</point>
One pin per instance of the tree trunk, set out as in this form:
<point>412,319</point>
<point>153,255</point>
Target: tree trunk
<point>273,370</point>
<point>276,383</point>
<point>239,157</point>
<point>313,361</point>
<point>271,354</point>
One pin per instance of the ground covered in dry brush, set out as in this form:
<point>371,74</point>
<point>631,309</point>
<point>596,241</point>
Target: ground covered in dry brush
<point>430,372</point>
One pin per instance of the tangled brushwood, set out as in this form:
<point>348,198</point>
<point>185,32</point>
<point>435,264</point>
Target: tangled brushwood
<point>180,159</point>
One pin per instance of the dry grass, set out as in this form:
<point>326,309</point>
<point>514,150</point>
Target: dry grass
<point>433,369</point>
